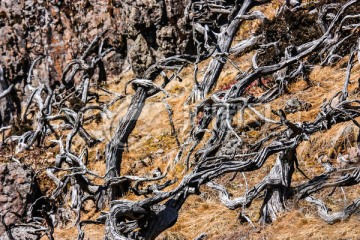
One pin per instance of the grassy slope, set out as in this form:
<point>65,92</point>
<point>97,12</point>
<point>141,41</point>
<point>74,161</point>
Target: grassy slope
<point>151,145</point>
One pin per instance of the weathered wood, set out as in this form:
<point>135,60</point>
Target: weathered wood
<point>279,179</point>
<point>224,41</point>
<point>116,146</point>
<point>332,218</point>
<point>158,207</point>
<point>6,102</point>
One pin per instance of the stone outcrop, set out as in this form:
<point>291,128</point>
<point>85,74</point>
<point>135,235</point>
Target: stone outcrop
<point>141,32</point>
<point>18,191</point>
<point>159,29</point>
<point>62,30</point>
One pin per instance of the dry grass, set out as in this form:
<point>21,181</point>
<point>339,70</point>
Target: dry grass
<point>205,213</point>
<point>151,145</point>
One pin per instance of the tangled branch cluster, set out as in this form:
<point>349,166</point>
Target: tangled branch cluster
<point>72,104</point>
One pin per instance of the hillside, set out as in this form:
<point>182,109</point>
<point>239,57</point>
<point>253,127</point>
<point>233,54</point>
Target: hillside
<point>180,119</point>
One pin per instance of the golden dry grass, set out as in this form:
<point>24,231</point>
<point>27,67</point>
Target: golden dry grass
<point>205,213</point>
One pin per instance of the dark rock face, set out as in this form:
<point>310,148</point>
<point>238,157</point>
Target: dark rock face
<point>17,193</point>
<point>140,31</point>
<point>159,29</point>
<point>57,30</point>
<point>62,30</point>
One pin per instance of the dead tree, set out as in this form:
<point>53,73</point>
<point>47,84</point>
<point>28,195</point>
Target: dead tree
<point>67,107</point>
<point>222,40</point>
<point>144,88</point>
<point>6,102</point>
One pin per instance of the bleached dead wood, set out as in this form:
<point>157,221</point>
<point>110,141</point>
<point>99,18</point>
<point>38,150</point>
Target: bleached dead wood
<point>158,208</point>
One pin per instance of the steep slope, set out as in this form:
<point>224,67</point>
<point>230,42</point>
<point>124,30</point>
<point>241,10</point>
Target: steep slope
<point>156,30</point>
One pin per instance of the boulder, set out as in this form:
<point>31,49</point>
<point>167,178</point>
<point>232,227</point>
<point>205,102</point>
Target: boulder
<point>18,191</point>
